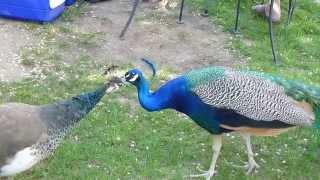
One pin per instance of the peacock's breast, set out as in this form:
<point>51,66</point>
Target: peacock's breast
<point>178,96</point>
<point>202,114</point>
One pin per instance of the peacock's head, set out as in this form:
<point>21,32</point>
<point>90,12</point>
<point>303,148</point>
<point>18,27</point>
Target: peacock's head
<point>133,76</point>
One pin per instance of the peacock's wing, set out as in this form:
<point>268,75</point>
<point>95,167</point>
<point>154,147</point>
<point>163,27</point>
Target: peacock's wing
<point>247,94</point>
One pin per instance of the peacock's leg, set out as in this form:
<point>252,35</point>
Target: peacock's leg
<point>216,147</point>
<point>252,165</point>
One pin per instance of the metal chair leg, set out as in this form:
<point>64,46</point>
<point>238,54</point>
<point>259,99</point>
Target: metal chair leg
<point>275,59</point>
<point>292,5</point>
<point>181,11</point>
<point>236,26</point>
<point>205,11</point>
<point>289,8</point>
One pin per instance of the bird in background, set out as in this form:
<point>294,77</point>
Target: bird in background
<point>30,133</point>
<point>223,100</point>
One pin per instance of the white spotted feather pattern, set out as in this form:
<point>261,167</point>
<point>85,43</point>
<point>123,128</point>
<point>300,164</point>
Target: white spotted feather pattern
<point>252,96</point>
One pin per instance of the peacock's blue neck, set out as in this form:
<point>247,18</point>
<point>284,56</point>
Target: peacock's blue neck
<point>154,101</point>
<point>175,95</point>
<point>150,101</point>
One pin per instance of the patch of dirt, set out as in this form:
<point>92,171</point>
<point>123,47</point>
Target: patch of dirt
<point>153,34</point>
<point>12,39</point>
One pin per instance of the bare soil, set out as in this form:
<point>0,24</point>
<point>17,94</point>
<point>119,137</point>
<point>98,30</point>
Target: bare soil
<point>12,38</point>
<point>153,34</point>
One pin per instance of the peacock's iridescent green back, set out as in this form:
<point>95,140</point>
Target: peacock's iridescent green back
<point>204,75</point>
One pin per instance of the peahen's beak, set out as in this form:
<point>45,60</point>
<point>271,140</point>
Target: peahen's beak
<point>114,84</point>
<point>123,79</point>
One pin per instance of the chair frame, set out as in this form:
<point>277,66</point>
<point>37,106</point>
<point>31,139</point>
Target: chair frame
<point>235,30</point>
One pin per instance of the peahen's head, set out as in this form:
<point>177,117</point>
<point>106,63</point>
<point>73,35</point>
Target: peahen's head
<point>134,76</point>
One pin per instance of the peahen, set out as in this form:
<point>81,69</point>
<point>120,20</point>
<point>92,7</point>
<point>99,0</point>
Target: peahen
<point>30,133</point>
<point>223,100</point>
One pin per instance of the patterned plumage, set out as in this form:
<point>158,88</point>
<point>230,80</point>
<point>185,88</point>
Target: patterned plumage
<point>247,94</point>
<point>224,100</point>
<point>30,133</point>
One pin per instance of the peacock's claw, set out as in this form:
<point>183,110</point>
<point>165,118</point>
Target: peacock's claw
<point>207,174</point>
<point>238,166</point>
<point>251,167</point>
<point>201,170</point>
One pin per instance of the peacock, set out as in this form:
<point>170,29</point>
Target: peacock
<point>30,133</point>
<point>223,100</point>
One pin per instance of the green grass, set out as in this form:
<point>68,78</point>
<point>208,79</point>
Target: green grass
<point>120,140</point>
<point>298,44</point>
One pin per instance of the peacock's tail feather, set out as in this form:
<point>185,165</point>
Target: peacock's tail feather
<point>301,92</point>
<point>295,89</point>
<point>317,124</point>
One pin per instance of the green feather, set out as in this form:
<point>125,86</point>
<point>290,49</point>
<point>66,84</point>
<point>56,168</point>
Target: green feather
<point>204,75</point>
<point>317,124</point>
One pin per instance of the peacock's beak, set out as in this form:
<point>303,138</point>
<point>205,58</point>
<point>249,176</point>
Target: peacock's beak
<point>126,78</point>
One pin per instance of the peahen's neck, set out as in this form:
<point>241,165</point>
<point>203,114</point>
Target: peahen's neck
<point>153,101</point>
<point>65,114</point>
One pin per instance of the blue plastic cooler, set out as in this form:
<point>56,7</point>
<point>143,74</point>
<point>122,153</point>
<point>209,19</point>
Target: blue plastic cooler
<point>70,2</point>
<point>34,10</point>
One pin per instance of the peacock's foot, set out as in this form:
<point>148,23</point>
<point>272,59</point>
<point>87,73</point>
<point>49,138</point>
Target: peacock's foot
<point>251,167</point>
<point>206,174</point>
